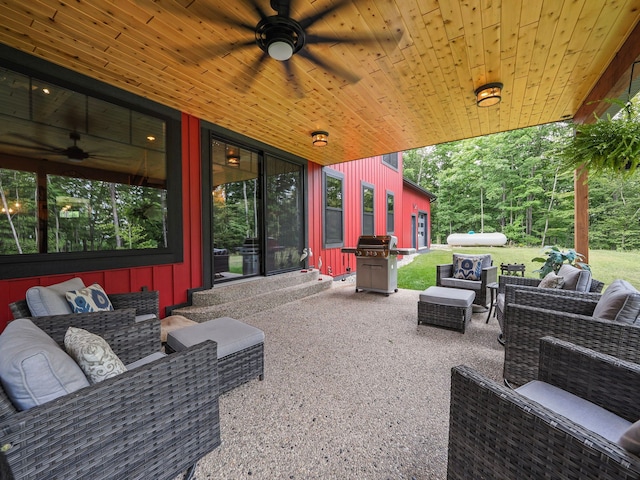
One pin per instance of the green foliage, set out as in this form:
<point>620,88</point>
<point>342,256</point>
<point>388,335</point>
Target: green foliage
<point>610,145</point>
<point>555,258</point>
<point>497,183</point>
<point>81,215</point>
<point>606,265</point>
<point>513,182</point>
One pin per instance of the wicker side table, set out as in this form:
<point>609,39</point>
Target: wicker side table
<point>445,307</point>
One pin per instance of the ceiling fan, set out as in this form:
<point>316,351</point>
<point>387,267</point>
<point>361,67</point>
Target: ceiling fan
<point>73,153</point>
<point>281,38</point>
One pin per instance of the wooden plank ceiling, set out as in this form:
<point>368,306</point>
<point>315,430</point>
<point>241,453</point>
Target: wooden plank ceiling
<point>416,74</point>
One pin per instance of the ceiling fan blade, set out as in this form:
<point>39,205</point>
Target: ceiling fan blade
<point>210,51</point>
<point>239,23</point>
<point>251,72</point>
<point>293,78</point>
<point>31,148</point>
<point>311,19</point>
<point>341,72</point>
<point>313,38</point>
<point>33,141</point>
<point>283,7</point>
<point>256,6</point>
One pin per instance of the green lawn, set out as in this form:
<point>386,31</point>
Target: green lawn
<point>606,265</point>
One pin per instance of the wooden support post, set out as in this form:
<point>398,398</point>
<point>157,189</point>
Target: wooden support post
<point>581,212</point>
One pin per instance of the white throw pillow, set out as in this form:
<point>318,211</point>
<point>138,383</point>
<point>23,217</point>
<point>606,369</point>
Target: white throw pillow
<point>93,354</point>
<point>551,280</point>
<point>630,440</point>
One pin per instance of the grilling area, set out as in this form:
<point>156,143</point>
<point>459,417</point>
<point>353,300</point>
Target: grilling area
<point>377,263</point>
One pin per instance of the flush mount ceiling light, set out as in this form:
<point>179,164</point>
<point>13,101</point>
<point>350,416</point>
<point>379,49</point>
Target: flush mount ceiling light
<point>489,94</point>
<point>233,161</point>
<point>320,138</point>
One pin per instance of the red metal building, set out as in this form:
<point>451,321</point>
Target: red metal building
<point>335,205</point>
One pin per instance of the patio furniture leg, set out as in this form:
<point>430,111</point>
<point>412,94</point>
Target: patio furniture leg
<point>189,473</point>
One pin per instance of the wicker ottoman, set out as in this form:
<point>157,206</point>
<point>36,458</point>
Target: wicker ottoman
<point>445,307</point>
<point>240,348</point>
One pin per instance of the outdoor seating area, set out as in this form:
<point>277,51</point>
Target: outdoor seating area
<point>577,420</point>
<point>343,381</point>
<point>123,419</point>
<point>302,240</point>
<point>75,360</point>
<point>604,322</point>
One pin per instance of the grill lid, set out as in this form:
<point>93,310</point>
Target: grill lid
<point>377,242</point>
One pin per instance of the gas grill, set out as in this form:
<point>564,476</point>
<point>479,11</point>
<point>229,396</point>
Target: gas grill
<point>377,263</point>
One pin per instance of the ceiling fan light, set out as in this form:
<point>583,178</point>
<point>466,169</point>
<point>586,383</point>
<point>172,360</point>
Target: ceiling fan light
<point>320,138</point>
<point>280,49</point>
<point>489,94</point>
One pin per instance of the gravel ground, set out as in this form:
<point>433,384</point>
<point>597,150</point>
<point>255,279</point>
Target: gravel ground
<point>353,389</point>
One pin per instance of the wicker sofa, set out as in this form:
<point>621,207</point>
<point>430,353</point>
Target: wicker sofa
<point>533,313</point>
<point>145,303</point>
<point>154,421</point>
<point>496,432</point>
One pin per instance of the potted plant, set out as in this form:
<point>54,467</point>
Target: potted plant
<point>555,258</point>
<point>610,145</point>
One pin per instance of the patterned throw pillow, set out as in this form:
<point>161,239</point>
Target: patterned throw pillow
<point>551,280</point>
<point>467,268</point>
<point>93,354</point>
<point>89,299</point>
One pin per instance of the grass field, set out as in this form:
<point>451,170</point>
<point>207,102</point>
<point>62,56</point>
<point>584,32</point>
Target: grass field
<point>606,265</point>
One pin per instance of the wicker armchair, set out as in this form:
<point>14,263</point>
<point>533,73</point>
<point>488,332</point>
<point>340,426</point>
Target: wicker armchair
<point>496,433</point>
<point>533,313</point>
<point>505,280</point>
<point>154,421</point>
<point>445,278</point>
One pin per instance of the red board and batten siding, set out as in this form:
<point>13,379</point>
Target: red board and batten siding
<point>369,170</point>
<point>172,280</point>
<point>413,203</point>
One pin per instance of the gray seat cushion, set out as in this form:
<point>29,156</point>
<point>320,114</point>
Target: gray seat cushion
<point>231,336</point>
<point>461,283</point>
<point>144,360</point>
<point>52,300</point>
<point>619,302</point>
<point>145,316</point>
<point>576,409</point>
<point>33,368</point>
<point>453,297</point>
<point>575,278</point>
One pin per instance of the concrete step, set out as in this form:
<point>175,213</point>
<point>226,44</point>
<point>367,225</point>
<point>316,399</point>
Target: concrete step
<point>247,298</point>
<point>246,288</point>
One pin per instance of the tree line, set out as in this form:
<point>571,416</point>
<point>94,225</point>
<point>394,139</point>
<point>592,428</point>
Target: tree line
<point>80,215</point>
<point>514,182</point>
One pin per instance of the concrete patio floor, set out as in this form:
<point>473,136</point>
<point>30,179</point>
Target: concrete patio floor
<point>353,388</point>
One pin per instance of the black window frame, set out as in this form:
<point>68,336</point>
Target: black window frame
<point>326,241</point>
<point>391,160</point>
<point>368,186</point>
<point>210,131</point>
<point>38,264</point>
<point>391,220</point>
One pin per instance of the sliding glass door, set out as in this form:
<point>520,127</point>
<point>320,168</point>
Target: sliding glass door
<point>252,233</point>
<point>284,214</point>
<point>236,211</point>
